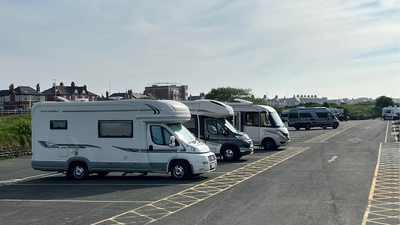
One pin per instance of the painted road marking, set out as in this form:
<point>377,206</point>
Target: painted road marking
<point>384,199</point>
<point>15,181</point>
<point>325,136</point>
<point>174,203</point>
<point>333,159</point>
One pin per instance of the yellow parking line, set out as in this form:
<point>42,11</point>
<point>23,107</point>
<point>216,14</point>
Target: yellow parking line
<point>384,198</point>
<point>174,203</point>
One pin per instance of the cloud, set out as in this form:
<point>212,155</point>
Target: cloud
<point>284,48</point>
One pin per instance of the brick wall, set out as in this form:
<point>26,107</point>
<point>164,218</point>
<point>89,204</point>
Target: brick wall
<point>6,153</point>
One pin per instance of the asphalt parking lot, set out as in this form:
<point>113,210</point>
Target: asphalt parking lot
<point>323,177</point>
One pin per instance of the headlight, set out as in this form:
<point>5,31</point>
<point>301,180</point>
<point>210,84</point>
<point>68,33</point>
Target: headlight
<point>242,138</point>
<point>284,134</point>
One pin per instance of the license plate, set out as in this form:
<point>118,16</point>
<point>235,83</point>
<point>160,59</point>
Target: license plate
<point>212,166</point>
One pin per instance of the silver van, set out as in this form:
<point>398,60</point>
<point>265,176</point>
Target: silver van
<point>312,117</point>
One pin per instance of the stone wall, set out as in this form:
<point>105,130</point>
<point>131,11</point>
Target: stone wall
<point>6,153</point>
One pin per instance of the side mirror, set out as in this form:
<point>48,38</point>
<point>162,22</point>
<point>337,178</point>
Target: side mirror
<point>172,141</point>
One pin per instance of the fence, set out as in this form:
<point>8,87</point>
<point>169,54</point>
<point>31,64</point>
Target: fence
<point>14,112</point>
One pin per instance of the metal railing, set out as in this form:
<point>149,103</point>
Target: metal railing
<point>14,112</point>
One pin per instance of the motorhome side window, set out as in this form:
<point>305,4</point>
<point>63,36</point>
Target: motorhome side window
<point>159,135</point>
<point>264,121</point>
<point>115,128</point>
<point>214,127</point>
<point>252,119</point>
<point>58,124</point>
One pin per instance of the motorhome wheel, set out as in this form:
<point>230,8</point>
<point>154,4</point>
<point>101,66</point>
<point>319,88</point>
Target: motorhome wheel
<point>79,171</point>
<point>180,170</point>
<point>230,154</point>
<point>335,125</point>
<point>308,126</point>
<point>269,144</point>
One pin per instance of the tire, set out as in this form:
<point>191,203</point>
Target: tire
<point>180,170</point>
<point>102,174</point>
<point>230,154</point>
<point>308,126</point>
<point>335,125</point>
<point>269,144</point>
<point>78,171</point>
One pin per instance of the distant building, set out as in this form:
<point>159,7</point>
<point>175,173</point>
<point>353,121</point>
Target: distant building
<point>22,97</point>
<point>299,99</point>
<point>123,95</point>
<point>71,93</point>
<point>193,98</point>
<point>167,91</point>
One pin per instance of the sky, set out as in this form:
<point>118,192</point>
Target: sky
<point>328,48</point>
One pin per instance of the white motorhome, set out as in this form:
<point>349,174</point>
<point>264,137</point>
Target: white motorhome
<point>262,123</point>
<point>390,113</point>
<point>142,136</point>
<point>209,123</point>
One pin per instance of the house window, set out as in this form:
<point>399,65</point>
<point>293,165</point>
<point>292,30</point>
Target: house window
<point>58,124</point>
<point>115,128</point>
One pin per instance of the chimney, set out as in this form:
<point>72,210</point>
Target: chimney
<point>106,94</point>
<point>61,84</point>
<point>72,84</point>
<point>11,88</point>
<point>84,87</point>
<point>130,94</point>
<point>38,88</point>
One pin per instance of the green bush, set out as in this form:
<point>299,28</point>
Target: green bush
<point>15,131</point>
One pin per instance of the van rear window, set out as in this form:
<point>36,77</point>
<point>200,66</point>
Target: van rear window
<point>293,115</point>
<point>115,128</point>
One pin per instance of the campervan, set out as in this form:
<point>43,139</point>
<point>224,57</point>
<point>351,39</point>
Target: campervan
<point>390,113</point>
<point>312,117</point>
<point>209,123</point>
<point>262,123</point>
<point>143,135</point>
<point>285,115</point>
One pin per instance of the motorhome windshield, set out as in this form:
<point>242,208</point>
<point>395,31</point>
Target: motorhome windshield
<point>275,119</point>
<point>229,126</point>
<point>182,133</point>
<point>270,119</point>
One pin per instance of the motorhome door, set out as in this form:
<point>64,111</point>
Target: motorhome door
<point>251,125</point>
<point>159,152</point>
<point>214,133</point>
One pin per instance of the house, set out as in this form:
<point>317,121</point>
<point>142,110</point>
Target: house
<point>21,98</point>
<point>123,95</point>
<point>71,93</point>
<point>167,91</point>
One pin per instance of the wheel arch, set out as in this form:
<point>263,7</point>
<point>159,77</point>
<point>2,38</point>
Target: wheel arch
<point>171,162</point>
<point>71,161</point>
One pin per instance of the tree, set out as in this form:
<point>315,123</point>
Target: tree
<point>384,101</point>
<point>381,102</point>
<point>228,94</point>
